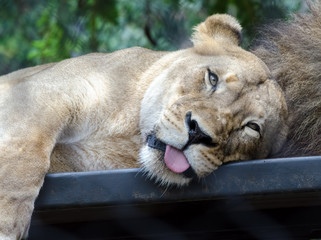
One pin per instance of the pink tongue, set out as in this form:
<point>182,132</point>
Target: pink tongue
<point>175,160</point>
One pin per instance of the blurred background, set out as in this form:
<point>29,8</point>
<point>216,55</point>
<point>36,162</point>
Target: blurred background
<point>35,31</point>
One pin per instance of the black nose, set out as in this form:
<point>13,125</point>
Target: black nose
<point>195,133</point>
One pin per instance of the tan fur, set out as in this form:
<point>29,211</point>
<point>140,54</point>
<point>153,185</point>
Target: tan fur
<point>292,51</point>
<point>95,112</point>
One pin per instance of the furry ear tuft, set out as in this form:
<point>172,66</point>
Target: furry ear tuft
<point>220,28</point>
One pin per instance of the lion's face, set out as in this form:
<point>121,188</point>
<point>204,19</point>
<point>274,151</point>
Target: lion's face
<point>207,108</point>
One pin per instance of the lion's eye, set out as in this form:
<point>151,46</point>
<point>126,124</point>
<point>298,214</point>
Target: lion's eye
<point>213,79</point>
<point>254,126</point>
<point>253,129</point>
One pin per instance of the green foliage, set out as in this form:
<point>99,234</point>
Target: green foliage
<point>35,32</point>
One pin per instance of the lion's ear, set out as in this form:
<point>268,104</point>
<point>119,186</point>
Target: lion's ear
<point>218,27</point>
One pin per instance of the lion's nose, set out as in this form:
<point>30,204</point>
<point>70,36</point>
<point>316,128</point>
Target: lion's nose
<point>195,134</point>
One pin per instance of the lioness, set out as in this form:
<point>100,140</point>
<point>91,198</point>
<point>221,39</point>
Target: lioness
<point>176,114</point>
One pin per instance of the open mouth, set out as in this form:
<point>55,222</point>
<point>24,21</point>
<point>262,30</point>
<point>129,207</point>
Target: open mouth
<point>174,158</point>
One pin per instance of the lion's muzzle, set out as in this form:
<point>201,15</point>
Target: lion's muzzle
<point>195,134</point>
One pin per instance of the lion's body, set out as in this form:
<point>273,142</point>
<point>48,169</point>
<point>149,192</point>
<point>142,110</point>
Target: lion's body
<point>109,130</point>
<point>292,51</point>
<point>102,119</point>
<point>166,112</point>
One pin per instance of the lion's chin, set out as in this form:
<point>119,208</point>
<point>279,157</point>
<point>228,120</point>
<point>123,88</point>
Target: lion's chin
<point>154,167</point>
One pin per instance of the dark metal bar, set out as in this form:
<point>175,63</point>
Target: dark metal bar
<point>249,178</point>
<point>263,199</point>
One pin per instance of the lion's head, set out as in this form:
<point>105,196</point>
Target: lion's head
<point>208,105</point>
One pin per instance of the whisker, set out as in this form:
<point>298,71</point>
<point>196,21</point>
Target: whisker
<point>165,190</point>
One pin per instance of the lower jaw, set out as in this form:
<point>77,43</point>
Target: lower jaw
<point>157,170</point>
<point>155,143</point>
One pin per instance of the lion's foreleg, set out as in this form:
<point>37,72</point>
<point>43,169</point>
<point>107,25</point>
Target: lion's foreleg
<point>28,133</point>
<point>21,177</point>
